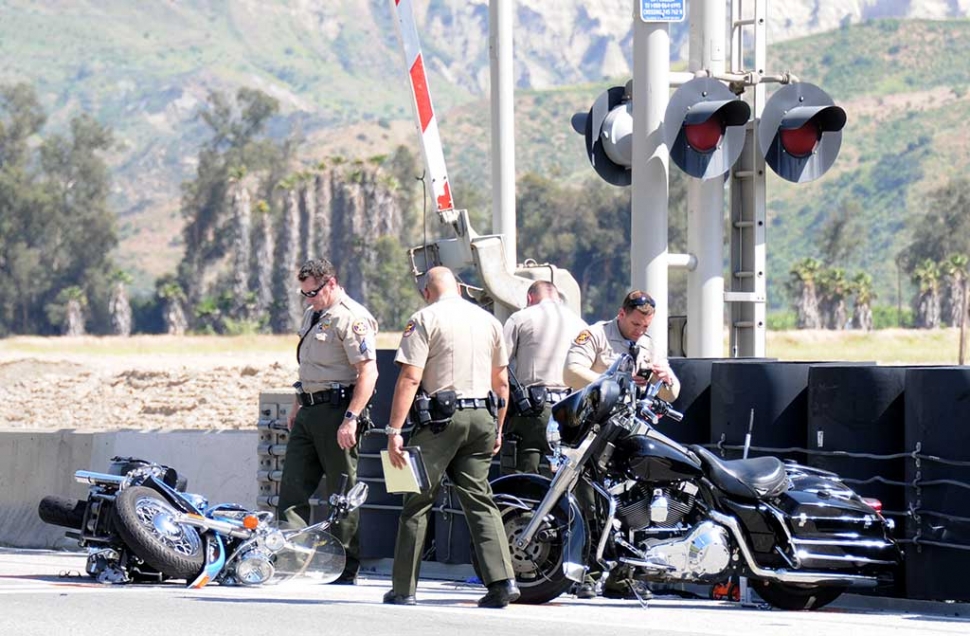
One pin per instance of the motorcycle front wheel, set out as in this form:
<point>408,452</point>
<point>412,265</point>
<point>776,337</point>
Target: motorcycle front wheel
<point>146,523</point>
<point>796,597</point>
<point>538,565</point>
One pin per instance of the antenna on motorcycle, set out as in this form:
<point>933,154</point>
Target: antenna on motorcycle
<point>747,437</point>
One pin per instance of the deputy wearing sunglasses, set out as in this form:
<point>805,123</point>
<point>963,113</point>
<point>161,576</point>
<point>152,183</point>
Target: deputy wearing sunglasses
<point>590,354</point>
<point>337,354</point>
<point>595,349</point>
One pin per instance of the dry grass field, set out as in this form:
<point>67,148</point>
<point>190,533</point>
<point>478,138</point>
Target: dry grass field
<point>213,383</point>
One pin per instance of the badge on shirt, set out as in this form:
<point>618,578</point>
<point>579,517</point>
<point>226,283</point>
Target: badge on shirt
<point>363,347</point>
<point>325,325</point>
<point>409,329</point>
<point>583,336</point>
<point>360,327</point>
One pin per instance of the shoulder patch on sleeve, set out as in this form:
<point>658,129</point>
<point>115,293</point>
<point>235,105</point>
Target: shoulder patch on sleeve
<point>583,336</point>
<point>360,327</point>
<point>409,329</point>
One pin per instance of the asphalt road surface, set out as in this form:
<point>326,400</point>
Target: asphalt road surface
<point>46,593</point>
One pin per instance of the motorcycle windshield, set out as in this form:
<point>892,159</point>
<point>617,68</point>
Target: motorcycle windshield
<point>310,552</point>
<point>579,410</point>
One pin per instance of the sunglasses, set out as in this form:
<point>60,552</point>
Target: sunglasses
<point>313,292</point>
<point>639,300</point>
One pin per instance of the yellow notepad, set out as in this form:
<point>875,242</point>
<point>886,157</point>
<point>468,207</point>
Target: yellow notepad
<point>411,478</point>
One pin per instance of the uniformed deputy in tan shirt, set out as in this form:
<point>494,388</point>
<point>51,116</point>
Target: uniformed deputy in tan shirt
<point>456,344</point>
<point>595,349</point>
<point>338,372</point>
<point>537,337</point>
<point>344,335</point>
<point>452,345</point>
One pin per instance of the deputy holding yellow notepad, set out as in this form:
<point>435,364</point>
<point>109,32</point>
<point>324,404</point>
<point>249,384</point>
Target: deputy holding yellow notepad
<point>455,353</point>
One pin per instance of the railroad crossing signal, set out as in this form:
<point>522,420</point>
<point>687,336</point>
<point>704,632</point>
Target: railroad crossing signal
<point>800,132</point>
<point>704,127</point>
<point>608,128</point>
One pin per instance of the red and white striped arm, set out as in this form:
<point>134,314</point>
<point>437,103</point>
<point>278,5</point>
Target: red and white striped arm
<point>434,157</point>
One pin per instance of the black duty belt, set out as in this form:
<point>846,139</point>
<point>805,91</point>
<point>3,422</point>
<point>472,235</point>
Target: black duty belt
<point>327,396</point>
<point>471,403</point>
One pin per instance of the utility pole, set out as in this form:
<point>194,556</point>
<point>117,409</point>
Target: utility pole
<point>502,95</point>
<point>650,160</point>
<point>705,202</point>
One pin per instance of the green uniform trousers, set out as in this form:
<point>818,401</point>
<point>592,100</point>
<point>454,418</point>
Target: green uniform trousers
<point>463,450</point>
<point>530,445</point>
<point>312,452</point>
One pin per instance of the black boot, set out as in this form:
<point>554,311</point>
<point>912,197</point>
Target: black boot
<point>399,599</point>
<point>500,594</point>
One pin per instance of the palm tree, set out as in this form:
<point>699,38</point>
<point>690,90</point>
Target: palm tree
<point>832,287</point>
<point>926,275</point>
<point>77,303</point>
<point>173,299</point>
<point>804,275</point>
<point>118,304</point>
<point>861,288</point>
<point>954,271</point>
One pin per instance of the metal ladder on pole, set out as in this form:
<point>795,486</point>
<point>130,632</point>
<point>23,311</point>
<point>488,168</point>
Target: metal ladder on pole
<point>747,294</point>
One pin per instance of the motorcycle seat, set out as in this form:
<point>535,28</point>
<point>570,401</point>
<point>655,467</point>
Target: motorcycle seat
<point>757,478</point>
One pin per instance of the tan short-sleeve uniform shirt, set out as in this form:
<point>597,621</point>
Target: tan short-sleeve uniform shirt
<point>456,344</point>
<point>599,346</point>
<point>538,338</point>
<point>344,336</point>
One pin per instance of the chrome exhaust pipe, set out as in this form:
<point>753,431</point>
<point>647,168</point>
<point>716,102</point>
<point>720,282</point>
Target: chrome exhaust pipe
<point>784,576</point>
<point>97,479</point>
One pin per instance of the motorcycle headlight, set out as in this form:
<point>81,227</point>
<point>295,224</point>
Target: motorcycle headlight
<point>274,541</point>
<point>254,569</point>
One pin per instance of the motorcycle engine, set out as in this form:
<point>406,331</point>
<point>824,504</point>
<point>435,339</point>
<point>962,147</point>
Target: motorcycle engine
<point>643,506</point>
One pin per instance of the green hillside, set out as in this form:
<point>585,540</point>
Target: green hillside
<point>145,69</point>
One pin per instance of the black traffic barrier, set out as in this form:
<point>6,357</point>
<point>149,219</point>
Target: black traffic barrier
<point>694,401</point>
<point>776,391</point>
<point>860,410</point>
<point>778,394</point>
<point>938,530</point>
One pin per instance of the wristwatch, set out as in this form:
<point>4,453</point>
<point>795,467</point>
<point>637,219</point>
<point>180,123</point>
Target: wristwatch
<point>390,430</point>
<point>350,415</point>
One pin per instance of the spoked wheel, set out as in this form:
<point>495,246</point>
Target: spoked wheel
<point>538,565</point>
<point>146,523</point>
<point>787,596</point>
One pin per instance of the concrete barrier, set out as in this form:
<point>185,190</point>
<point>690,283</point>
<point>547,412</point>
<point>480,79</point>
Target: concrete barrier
<point>33,464</point>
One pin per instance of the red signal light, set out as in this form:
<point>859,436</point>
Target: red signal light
<point>801,142</point>
<point>705,136</point>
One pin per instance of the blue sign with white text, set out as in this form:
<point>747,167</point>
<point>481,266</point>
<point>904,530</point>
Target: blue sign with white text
<point>662,10</point>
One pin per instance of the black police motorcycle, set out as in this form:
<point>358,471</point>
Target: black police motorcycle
<point>674,514</point>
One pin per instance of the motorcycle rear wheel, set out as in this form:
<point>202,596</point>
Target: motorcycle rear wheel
<point>144,520</point>
<point>59,511</point>
<point>796,597</point>
<point>537,566</point>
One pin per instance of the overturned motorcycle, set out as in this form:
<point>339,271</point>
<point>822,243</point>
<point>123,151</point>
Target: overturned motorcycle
<point>673,514</point>
<point>138,524</point>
